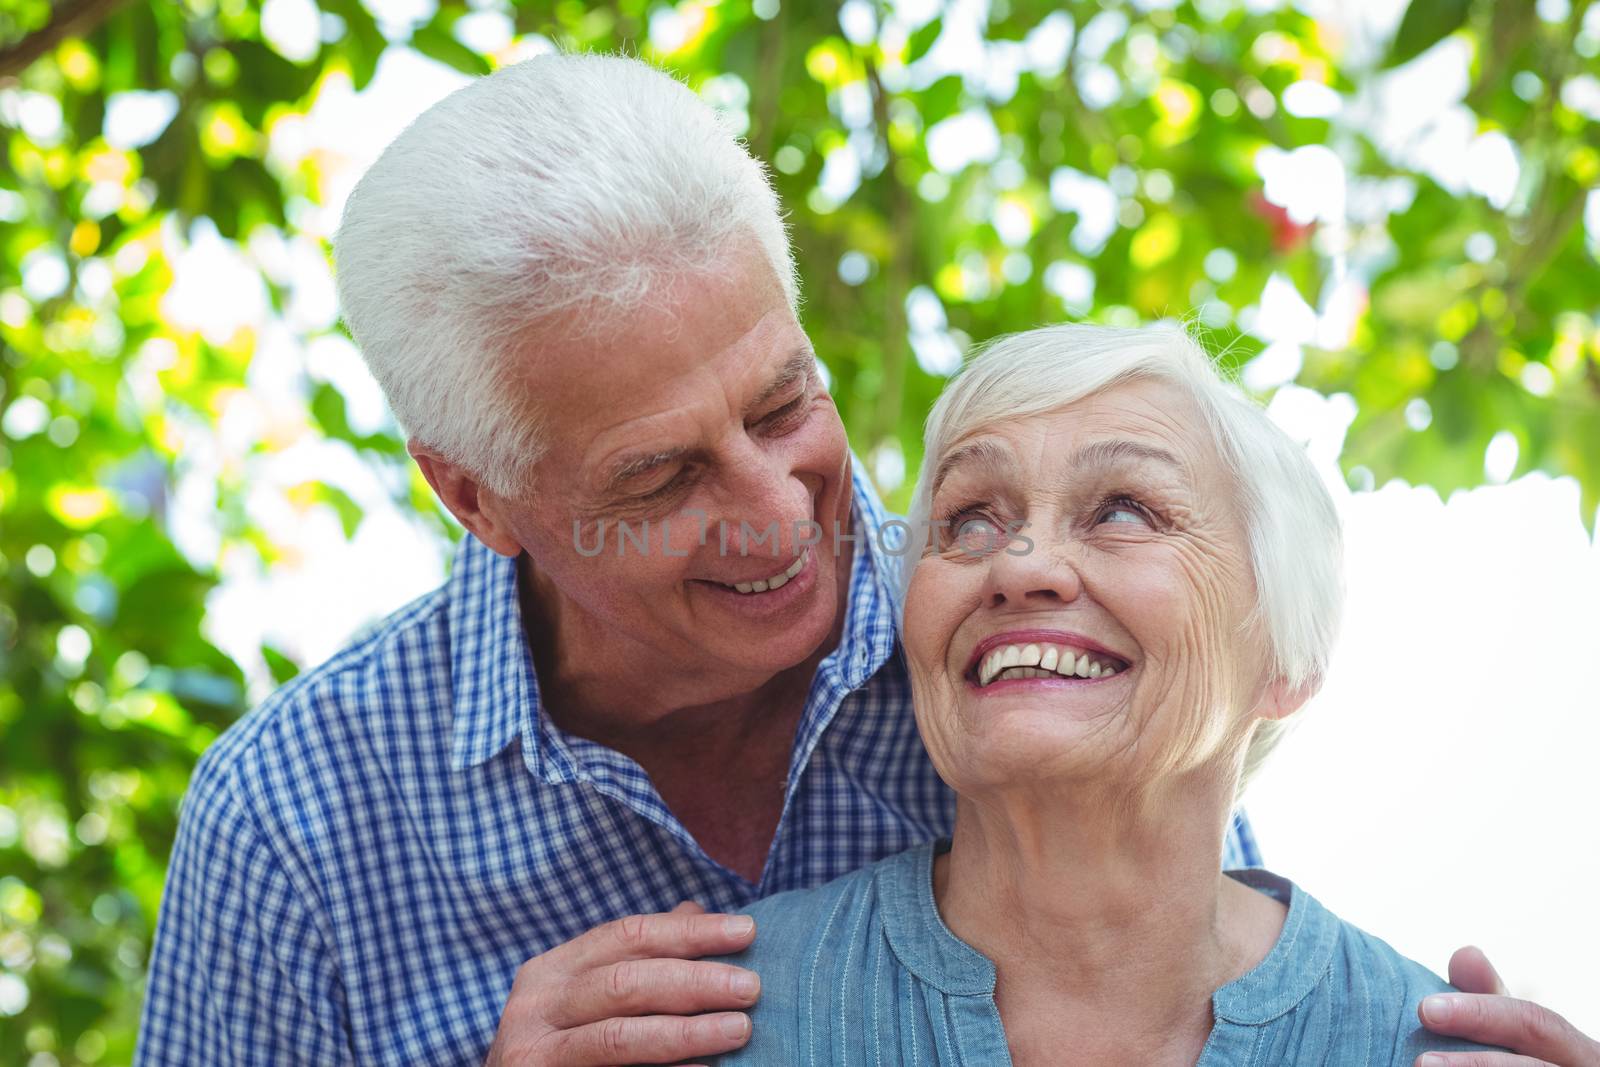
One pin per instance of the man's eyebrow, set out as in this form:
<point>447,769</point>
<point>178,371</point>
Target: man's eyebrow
<point>980,453</point>
<point>630,467</point>
<point>1111,452</point>
<point>796,368</point>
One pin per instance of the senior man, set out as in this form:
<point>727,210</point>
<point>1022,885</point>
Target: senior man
<point>664,667</point>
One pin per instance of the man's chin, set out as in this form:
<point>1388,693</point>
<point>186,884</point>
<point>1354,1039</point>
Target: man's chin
<point>773,630</point>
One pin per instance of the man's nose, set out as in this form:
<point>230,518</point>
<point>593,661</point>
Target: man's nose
<point>765,506</point>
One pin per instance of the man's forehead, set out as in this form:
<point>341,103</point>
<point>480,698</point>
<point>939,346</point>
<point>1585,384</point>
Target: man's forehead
<point>677,322</point>
<point>655,359</point>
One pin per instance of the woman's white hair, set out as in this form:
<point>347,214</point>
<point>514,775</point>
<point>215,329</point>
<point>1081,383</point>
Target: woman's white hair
<point>1296,544</point>
<point>567,185</point>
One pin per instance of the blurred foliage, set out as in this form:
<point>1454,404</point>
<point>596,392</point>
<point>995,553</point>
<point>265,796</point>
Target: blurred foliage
<point>1096,160</point>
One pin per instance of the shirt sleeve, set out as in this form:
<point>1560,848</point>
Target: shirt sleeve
<point>1240,849</point>
<point>240,973</point>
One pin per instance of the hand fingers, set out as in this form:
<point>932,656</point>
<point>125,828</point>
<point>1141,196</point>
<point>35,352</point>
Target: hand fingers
<point>1471,972</point>
<point>649,1039</point>
<point>687,907</point>
<point>640,937</point>
<point>652,987</point>
<point>1478,1059</point>
<point>1520,1025</point>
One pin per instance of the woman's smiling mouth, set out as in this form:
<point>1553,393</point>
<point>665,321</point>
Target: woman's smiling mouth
<point>1040,654</point>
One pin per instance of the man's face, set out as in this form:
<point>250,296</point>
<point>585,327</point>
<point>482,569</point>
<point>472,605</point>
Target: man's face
<point>699,418</point>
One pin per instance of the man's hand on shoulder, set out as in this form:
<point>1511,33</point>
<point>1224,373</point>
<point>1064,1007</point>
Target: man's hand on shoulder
<point>631,991</point>
<point>1485,1013</point>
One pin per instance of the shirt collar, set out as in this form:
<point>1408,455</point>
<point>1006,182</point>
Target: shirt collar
<point>495,692</point>
<point>1298,960</point>
<point>868,636</point>
<point>916,932</point>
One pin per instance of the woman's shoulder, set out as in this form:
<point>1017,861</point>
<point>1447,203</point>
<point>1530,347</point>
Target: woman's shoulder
<point>797,917</point>
<point>1389,987</point>
<point>810,946</point>
<point>1332,984</point>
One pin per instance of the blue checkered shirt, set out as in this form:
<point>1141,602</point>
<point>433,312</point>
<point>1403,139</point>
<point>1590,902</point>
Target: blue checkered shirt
<point>364,861</point>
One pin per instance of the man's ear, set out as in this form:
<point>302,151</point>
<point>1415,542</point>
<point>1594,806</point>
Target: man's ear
<point>474,507</point>
<point>1281,700</point>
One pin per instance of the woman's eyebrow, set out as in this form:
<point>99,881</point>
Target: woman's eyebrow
<point>1111,452</point>
<point>1095,454</point>
<point>978,453</point>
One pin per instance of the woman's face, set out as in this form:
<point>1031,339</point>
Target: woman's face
<point>1131,563</point>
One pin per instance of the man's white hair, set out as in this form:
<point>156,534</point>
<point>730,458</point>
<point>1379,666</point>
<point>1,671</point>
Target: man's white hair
<point>1295,540</point>
<point>567,185</point>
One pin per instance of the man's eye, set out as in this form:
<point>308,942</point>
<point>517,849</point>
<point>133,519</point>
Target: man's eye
<point>666,489</point>
<point>785,414</point>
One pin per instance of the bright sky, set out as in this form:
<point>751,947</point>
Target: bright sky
<point>1439,792</point>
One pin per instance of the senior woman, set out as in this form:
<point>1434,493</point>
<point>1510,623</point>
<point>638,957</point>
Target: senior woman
<point>1132,578</point>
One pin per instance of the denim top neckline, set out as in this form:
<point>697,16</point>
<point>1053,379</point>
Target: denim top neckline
<point>926,946</point>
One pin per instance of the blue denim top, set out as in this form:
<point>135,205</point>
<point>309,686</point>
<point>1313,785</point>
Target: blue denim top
<point>863,971</point>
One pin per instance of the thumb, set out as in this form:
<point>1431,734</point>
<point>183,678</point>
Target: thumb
<point>689,907</point>
<point>1471,972</point>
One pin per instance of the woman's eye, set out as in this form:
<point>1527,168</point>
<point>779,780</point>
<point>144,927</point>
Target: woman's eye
<point>975,534</point>
<point>1123,513</point>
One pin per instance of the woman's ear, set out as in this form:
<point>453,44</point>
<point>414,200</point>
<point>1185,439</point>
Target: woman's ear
<point>1281,700</point>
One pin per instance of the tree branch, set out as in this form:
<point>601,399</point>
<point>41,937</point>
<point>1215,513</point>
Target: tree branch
<point>897,275</point>
<point>768,87</point>
<point>71,18</point>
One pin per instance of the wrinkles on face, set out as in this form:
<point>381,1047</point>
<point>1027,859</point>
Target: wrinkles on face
<point>701,411</point>
<point>1146,556</point>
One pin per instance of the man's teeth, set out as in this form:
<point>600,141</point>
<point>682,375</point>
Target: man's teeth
<point>777,581</point>
<point>1041,661</point>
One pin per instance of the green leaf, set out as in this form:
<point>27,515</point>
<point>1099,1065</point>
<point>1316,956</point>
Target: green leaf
<point>328,408</point>
<point>923,39</point>
<point>280,665</point>
<point>349,512</point>
<point>363,43</point>
<point>1426,23</point>
<point>263,73</point>
<point>436,42</point>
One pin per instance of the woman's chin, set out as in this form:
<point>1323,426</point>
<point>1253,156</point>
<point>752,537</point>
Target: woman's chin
<point>1017,747</point>
<point>1054,708</point>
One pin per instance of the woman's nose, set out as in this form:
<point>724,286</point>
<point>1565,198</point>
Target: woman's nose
<point>1031,571</point>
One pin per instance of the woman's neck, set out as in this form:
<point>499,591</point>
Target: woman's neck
<point>1107,918</point>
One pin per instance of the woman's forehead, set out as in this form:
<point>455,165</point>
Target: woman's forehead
<point>1147,424</point>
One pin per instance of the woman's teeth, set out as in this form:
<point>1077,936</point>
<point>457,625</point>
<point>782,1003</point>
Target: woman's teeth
<point>1041,661</point>
<point>777,581</point>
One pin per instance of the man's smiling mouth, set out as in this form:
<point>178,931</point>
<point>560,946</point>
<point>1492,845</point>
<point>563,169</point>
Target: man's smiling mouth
<point>776,581</point>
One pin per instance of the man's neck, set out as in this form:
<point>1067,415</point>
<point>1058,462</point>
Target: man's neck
<point>716,745</point>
